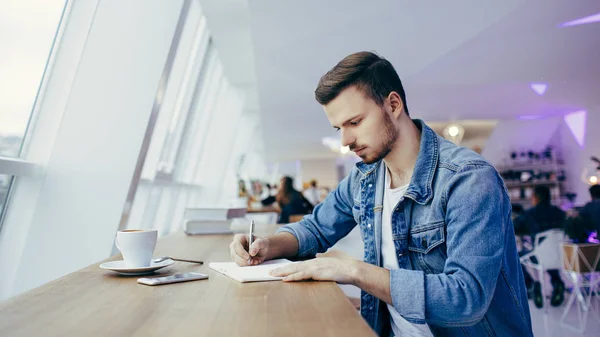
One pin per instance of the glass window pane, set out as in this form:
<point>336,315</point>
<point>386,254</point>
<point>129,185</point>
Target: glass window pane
<point>194,133</point>
<point>27,31</point>
<point>156,163</point>
<point>181,111</point>
<point>5,182</point>
<point>160,199</point>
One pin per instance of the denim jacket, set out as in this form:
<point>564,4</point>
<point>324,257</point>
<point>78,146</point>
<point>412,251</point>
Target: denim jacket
<point>459,269</point>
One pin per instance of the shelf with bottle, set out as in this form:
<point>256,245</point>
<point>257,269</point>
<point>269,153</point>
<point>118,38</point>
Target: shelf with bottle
<point>527,203</point>
<point>533,183</point>
<point>529,168</point>
<point>528,200</point>
<point>524,170</point>
<point>527,157</point>
<point>559,164</point>
<point>526,191</point>
<point>516,177</point>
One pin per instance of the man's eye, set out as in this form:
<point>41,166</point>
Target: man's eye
<point>356,122</point>
<point>337,129</point>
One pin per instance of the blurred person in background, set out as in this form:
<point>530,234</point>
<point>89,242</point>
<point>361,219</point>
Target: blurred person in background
<point>517,210</point>
<point>269,198</point>
<point>242,191</point>
<point>291,201</point>
<point>541,217</point>
<point>312,193</point>
<point>591,210</point>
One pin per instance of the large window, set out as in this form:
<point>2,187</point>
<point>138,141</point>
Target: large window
<point>163,191</point>
<point>28,30</point>
<point>199,135</point>
<point>27,33</point>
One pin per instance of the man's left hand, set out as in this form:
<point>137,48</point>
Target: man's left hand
<point>332,266</point>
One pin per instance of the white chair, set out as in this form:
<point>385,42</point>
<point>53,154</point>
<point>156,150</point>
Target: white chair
<point>547,252</point>
<point>582,266</point>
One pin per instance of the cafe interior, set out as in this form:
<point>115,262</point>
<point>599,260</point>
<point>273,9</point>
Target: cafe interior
<point>187,120</point>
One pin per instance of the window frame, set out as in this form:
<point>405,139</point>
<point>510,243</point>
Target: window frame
<point>20,166</point>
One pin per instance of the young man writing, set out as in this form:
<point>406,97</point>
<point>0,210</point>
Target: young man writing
<point>440,255</point>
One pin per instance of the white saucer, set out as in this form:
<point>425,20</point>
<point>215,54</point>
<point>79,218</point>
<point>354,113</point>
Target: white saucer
<point>119,267</point>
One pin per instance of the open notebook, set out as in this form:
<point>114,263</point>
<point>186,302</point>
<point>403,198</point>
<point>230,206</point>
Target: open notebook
<point>250,273</point>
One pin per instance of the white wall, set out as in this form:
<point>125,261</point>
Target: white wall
<point>74,214</point>
<point>537,134</point>
<point>580,157</point>
<point>289,168</point>
<point>511,135</point>
<point>323,170</point>
<point>572,155</point>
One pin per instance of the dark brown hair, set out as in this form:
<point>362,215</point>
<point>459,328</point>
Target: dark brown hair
<point>286,191</point>
<point>374,76</point>
<point>542,193</point>
<point>595,191</point>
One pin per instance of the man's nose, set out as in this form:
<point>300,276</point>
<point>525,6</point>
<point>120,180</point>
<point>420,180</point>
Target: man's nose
<point>347,138</point>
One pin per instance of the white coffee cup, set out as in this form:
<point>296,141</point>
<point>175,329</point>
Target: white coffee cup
<point>137,246</point>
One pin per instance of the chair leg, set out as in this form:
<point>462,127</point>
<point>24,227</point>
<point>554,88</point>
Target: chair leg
<point>572,297</point>
<point>592,288</point>
<point>570,302</point>
<point>583,299</point>
<point>595,291</point>
<point>542,280</point>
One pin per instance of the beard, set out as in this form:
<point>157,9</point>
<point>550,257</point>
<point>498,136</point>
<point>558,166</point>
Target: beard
<point>390,135</point>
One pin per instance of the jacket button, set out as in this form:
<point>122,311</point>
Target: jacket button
<point>370,185</point>
<point>424,242</point>
<point>369,226</point>
<point>401,255</point>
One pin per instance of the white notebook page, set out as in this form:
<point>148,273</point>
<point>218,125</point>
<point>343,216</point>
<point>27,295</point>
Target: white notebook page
<point>249,273</point>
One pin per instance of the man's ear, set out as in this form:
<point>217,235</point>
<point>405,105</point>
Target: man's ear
<point>395,103</point>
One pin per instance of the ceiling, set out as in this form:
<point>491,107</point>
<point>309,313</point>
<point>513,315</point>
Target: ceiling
<point>462,59</point>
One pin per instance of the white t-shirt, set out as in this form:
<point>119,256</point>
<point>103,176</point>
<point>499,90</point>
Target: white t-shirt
<point>391,197</point>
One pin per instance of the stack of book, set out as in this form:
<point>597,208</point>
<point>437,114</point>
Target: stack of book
<point>211,220</point>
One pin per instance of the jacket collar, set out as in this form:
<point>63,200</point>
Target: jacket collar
<point>367,169</point>
<point>420,187</point>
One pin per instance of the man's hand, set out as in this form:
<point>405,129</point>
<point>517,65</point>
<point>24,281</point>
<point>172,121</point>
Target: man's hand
<point>242,256</point>
<point>333,266</point>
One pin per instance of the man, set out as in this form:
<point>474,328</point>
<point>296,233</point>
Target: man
<point>435,219</point>
<point>542,217</point>
<point>312,193</point>
<point>591,210</point>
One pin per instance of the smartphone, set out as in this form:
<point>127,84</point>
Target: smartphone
<point>184,277</point>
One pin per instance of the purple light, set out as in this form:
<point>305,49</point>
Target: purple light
<point>539,88</point>
<point>582,21</point>
<point>576,123</point>
<point>530,117</point>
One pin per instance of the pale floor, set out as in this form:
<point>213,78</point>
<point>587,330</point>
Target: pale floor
<point>549,325</point>
<point>544,325</point>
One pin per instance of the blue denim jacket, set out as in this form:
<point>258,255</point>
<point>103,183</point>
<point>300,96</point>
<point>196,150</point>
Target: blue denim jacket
<point>459,268</point>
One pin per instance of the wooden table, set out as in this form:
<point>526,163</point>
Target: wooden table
<point>98,302</point>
